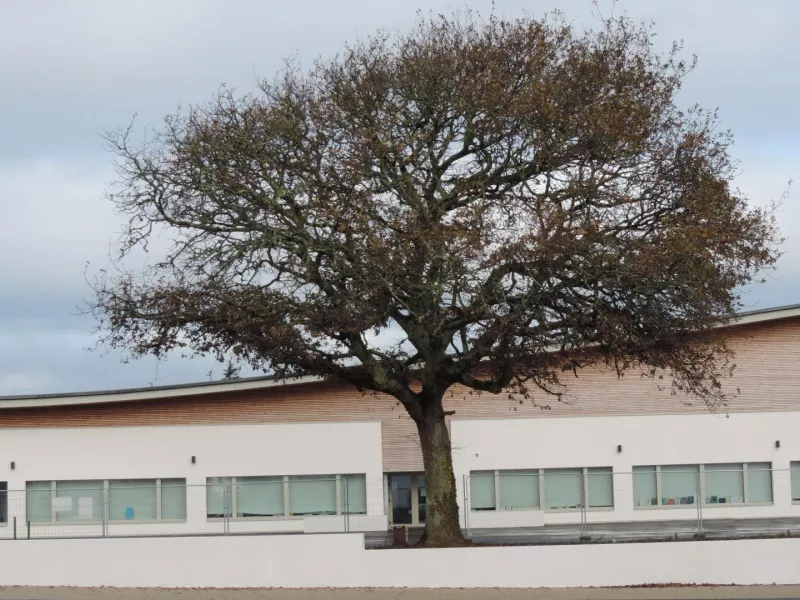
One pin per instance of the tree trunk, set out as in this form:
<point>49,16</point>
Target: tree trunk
<point>442,528</point>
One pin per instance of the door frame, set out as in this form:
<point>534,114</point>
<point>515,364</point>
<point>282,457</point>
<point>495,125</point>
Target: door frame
<point>414,498</point>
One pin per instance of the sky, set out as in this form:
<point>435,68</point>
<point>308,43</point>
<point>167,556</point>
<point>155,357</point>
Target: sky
<point>71,69</point>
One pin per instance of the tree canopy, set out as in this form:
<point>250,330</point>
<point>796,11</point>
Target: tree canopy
<point>477,201</point>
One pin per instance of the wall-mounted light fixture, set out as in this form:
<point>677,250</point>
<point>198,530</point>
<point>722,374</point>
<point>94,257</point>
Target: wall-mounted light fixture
<point>13,465</point>
<point>619,448</point>
<point>777,443</point>
<point>194,460</point>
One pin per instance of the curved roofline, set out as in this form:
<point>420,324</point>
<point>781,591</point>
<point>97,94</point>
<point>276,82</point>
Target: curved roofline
<point>261,382</point>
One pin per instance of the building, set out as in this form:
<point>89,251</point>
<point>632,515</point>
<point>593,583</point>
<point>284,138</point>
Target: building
<point>260,455</point>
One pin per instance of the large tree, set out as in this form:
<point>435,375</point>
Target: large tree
<point>478,202</point>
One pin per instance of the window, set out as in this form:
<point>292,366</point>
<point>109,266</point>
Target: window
<point>601,487</point>
<point>85,501</point>
<point>759,482</point>
<point>482,490</point>
<point>132,500</point>
<point>645,488</point>
<point>266,497</point>
<point>39,501</point>
<point>173,499</point>
<point>563,488</point>
<point>354,494</point>
<point>78,501</point>
<point>722,484</point>
<point>259,496</point>
<point>312,495</point>
<point>3,502</point>
<point>680,484</point>
<point>137,500</point>
<point>219,500</point>
<point>795,472</point>
<point>519,490</point>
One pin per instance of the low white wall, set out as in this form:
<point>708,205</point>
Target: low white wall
<point>499,444</point>
<point>339,560</point>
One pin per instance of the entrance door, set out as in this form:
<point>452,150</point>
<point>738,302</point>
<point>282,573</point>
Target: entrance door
<point>408,500</point>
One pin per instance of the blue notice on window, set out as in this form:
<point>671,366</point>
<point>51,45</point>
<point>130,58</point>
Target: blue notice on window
<point>129,512</point>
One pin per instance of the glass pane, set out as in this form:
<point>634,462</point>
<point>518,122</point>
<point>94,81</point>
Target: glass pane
<point>422,499</point>
<point>312,495</point>
<point>354,494</point>
<point>132,500</point>
<point>759,482</point>
<point>481,489</point>
<point>679,484</point>
<point>39,501</point>
<point>724,483</point>
<point>173,499</point>
<point>795,481</point>
<point>562,488</point>
<point>519,490</point>
<point>259,496</point>
<point>78,501</point>
<point>401,499</point>
<point>3,502</point>
<point>644,486</point>
<point>601,487</point>
<point>218,497</point>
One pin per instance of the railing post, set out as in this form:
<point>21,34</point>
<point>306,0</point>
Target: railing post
<point>15,527</point>
<point>583,507</point>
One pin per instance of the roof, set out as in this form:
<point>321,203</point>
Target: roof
<point>254,383</point>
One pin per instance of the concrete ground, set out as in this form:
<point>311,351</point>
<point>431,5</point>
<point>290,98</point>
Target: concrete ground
<point>660,593</point>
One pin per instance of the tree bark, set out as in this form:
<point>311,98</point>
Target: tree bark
<point>442,527</point>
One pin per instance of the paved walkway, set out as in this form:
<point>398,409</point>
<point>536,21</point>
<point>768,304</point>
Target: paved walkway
<point>662,593</point>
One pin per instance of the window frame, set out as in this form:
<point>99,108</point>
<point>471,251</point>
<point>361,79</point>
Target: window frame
<point>287,515</point>
<point>794,467</point>
<point>703,487</point>
<point>106,504</point>
<point>542,491</point>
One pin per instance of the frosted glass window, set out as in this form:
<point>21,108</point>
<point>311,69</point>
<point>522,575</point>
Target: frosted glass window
<point>795,473</point>
<point>481,486</point>
<point>759,482</point>
<point>601,487</point>
<point>218,497</point>
<point>39,501</point>
<point>78,501</point>
<point>259,496</point>
<point>173,499</point>
<point>724,483</point>
<point>645,489</point>
<point>519,490</point>
<point>679,484</point>
<point>562,488</point>
<point>132,500</point>
<point>312,495</point>
<point>354,494</point>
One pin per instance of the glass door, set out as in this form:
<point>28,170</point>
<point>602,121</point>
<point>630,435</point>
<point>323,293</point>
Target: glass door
<point>401,499</point>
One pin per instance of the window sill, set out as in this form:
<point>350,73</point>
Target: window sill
<point>147,522</point>
<point>705,506</point>
<point>577,510</point>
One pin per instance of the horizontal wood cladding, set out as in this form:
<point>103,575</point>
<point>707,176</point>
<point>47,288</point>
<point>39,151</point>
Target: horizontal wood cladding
<point>767,374</point>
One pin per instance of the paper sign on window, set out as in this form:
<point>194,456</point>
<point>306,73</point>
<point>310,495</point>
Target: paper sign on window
<point>85,506</point>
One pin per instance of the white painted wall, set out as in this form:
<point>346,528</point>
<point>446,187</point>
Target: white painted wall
<point>652,440</point>
<point>340,560</point>
<point>220,451</point>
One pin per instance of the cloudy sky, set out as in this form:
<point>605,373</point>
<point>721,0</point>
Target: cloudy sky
<point>72,68</point>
